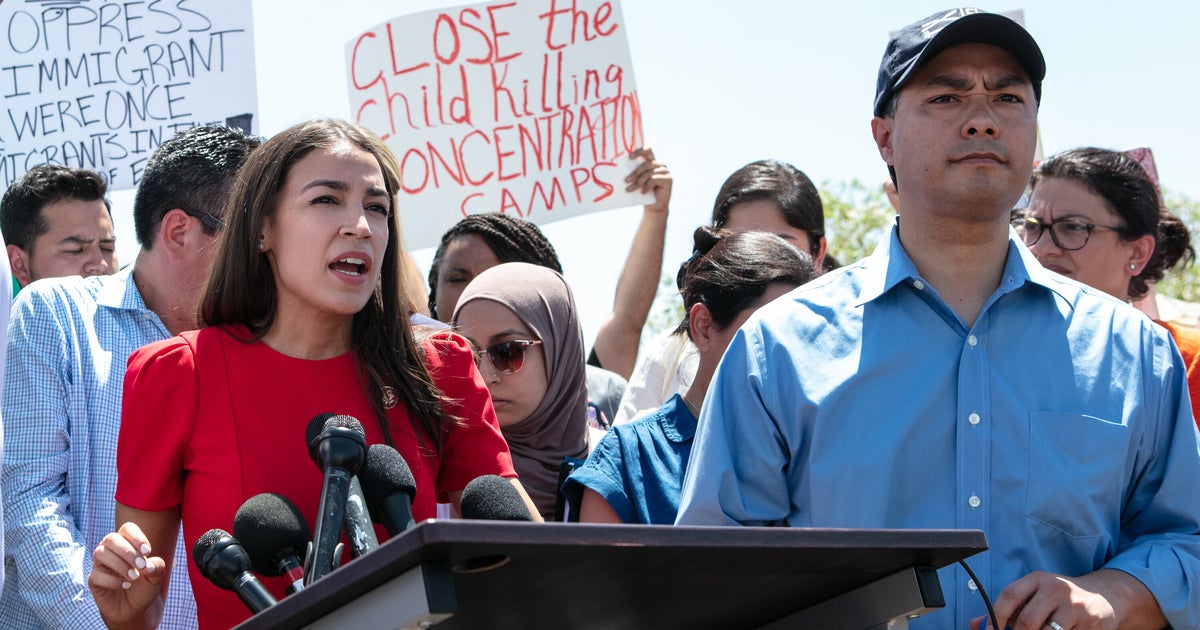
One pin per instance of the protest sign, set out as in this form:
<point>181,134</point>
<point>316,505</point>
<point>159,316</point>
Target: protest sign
<point>527,108</point>
<point>100,85</point>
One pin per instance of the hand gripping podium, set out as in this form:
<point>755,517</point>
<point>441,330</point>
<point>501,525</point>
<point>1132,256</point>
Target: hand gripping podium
<point>481,574</point>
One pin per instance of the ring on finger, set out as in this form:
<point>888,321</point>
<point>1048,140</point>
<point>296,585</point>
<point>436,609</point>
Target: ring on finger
<point>1054,625</point>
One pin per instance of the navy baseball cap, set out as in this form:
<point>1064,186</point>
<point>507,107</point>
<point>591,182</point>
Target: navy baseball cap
<point>923,40</point>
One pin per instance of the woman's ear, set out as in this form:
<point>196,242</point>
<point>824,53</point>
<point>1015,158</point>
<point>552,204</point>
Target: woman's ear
<point>701,326</point>
<point>1140,252</point>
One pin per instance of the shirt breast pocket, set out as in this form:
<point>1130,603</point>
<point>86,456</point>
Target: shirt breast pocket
<point>1076,472</point>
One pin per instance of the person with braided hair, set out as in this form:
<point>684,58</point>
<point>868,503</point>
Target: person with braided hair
<point>477,243</point>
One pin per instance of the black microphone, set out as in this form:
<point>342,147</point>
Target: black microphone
<point>338,446</point>
<point>389,487</point>
<point>359,530</point>
<point>493,498</point>
<point>224,562</point>
<point>275,535</point>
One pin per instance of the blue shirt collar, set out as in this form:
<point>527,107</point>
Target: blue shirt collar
<point>889,265</point>
<point>678,423</point>
<point>120,292</point>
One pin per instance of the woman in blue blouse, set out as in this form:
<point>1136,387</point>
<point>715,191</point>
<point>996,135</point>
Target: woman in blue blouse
<point>635,473</point>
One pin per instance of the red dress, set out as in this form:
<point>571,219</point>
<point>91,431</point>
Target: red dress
<point>209,421</point>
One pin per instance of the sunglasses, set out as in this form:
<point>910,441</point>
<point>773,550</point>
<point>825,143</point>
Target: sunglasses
<point>508,357</point>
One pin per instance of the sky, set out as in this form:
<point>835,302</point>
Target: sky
<point>722,84</point>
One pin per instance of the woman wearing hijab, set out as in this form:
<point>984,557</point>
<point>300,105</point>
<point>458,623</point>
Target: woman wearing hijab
<point>522,321</point>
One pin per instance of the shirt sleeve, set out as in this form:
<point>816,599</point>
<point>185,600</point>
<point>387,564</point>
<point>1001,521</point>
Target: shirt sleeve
<point>475,446</point>
<point>1160,529</point>
<point>736,475</point>
<point>602,473</point>
<point>43,544</point>
<point>158,413</point>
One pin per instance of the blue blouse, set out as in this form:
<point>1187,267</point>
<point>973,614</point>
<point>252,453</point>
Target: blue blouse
<point>638,467</point>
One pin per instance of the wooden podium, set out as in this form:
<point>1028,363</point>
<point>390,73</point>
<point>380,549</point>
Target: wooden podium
<point>479,574</point>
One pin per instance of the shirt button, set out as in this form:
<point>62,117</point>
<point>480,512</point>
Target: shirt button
<point>919,285</point>
<point>974,501</point>
<point>971,585</point>
<point>972,341</point>
<point>973,419</point>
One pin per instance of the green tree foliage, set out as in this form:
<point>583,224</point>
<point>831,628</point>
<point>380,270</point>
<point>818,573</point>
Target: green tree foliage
<point>1183,282</point>
<point>857,215</point>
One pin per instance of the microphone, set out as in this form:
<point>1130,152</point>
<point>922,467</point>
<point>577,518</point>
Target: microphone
<point>338,446</point>
<point>224,562</point>
<point>389,487</point>
<point>493,498</point>
<point>357,524</point>
<point>275,535</point>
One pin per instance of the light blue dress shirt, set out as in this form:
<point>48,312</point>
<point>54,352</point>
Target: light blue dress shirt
<point>1059,424</point>
<point>68,341</point>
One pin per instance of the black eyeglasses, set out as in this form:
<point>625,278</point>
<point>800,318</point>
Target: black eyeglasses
<point>508,357</point>
<point>1068,234</point>
<point>207,220</point>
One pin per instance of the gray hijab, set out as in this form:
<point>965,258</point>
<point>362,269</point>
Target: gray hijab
<point>557,428</point>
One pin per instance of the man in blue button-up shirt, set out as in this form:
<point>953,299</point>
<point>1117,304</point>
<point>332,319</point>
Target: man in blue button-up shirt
<point>949,381</point>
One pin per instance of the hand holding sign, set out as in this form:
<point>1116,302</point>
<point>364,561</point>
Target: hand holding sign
<point>650,177</point>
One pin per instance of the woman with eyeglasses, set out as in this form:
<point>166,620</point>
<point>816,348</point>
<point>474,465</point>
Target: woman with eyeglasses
<point>1095,216</point>
<point>303,317</point>
<point>522,320</point>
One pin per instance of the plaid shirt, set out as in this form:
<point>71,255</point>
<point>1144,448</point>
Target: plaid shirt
<point>68,342</point>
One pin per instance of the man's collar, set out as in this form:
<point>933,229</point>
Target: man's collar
<point>121,292</point>
<point>890,265</point>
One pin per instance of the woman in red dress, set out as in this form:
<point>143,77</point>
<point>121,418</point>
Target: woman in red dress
<point>303,316</point>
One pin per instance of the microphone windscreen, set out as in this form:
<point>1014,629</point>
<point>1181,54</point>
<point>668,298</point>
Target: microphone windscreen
<point>269,526</point>
<point>383,474</point>
<point>314,427</point>
<point>329,425</point>
<point>206,542</point>
<point>493,498</point>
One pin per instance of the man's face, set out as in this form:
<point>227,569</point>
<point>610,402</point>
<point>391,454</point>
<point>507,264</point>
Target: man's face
<point>964,133</point>
<point>78,241</point>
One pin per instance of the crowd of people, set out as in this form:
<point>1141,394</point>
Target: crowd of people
<point>982,369</point>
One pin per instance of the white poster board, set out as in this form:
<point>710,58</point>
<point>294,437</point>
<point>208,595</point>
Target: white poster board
<point>100,85</point>
<point>527,108</point>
